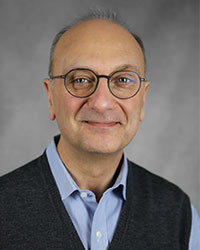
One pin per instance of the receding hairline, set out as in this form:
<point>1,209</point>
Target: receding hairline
<point>92,16</point>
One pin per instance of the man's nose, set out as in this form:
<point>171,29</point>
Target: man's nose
<point>102,99</point>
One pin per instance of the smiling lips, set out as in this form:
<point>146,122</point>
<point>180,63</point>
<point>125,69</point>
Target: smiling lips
<point>103,124</point>
<point>105,120</point>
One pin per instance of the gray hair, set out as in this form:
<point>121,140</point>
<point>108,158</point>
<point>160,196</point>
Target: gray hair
<point>93,14</point>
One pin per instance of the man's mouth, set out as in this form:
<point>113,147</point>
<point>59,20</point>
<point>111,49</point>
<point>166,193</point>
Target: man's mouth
<point>102,124</point>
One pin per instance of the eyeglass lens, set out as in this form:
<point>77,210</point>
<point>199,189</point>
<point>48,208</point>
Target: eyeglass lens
<point>82,83</point>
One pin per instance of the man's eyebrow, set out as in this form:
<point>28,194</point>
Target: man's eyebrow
<point>117,68</point>
<point>127,67</point>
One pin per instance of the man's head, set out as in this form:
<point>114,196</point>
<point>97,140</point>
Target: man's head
<point>101,122</point>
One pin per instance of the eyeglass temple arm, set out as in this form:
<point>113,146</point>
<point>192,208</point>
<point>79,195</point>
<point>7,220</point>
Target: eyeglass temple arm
<point>54,77</point>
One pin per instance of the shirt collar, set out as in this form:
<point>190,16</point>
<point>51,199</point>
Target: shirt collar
<point>65,183</point>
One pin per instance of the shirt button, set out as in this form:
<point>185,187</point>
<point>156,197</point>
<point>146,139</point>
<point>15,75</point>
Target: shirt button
<point>98,235</point>
<point>83,194</point>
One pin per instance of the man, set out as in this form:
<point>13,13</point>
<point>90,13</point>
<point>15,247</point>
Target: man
<point>83,193</point>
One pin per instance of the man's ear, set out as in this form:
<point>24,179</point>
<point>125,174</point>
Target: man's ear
<point>48,87</point>
<point>146,86</point>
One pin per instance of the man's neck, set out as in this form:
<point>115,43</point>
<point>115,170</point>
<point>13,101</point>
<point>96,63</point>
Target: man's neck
<point>91,171</point>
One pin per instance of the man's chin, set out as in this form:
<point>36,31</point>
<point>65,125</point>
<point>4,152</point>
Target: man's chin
<point>102,147</point>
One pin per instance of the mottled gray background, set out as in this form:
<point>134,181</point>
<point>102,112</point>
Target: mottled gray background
<point>167,141</point>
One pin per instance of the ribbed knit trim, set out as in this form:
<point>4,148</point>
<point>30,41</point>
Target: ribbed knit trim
<point>69,232</point>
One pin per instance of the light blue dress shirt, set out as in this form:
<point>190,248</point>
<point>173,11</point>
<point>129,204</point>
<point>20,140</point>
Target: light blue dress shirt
<point>95,222</point>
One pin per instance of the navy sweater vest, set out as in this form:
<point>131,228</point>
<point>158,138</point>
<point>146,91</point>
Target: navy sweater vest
<point>155,216</point>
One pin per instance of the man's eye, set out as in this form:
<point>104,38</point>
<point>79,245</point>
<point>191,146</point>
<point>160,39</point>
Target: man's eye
<point>125,80</point>
<point>80,80</point>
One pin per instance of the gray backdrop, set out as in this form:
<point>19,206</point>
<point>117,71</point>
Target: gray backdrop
<point>167,141</point>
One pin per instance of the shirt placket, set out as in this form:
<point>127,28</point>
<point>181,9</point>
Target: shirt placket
<point>99,236</point>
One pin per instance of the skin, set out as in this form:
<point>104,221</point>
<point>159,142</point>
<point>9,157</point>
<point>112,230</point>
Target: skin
<point>95,130</point>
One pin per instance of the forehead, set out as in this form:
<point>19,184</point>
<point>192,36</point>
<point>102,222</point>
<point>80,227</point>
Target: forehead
<point>99,45</point>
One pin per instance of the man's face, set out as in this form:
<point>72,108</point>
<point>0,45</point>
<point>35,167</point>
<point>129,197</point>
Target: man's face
<point>100,123</point>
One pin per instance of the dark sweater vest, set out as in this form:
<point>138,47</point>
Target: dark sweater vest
<point>155,216</point>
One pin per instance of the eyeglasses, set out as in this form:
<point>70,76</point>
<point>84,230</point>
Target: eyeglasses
<point>82,83</point>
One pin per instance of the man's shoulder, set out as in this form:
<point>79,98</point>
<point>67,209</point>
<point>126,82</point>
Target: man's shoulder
<point>154,185</point>
<point>22,177</point>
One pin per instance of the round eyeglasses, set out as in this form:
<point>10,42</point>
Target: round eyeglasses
<point>82,83</point>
